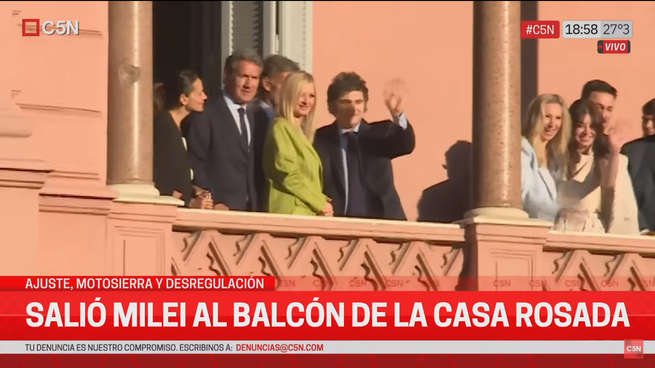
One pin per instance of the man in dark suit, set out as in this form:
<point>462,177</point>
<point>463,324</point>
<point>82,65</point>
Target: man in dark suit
<point>648,118</point>
<point>603,95</point>
<point>276,70</point>
<point>356,155</point>
<point>220,139</point>
<point>641,165</point>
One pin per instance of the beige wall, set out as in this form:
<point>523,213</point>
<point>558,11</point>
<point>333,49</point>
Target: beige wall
<point>63,87</point>
<point>429,44</point>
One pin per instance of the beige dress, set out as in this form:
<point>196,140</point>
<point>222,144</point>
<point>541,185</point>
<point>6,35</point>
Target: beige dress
<point>585,207</point>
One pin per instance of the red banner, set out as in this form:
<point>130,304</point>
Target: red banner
<point>199,322</point>
<point>123,283</point>
<point>200,314</point>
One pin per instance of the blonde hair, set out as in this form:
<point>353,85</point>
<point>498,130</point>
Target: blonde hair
<point>290,92</point>
<point>554,154</point>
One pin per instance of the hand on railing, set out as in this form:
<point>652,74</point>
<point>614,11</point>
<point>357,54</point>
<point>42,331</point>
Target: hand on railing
<point>202,200</point>
<point>327,210</point>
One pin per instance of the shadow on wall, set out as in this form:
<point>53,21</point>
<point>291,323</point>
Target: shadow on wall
<point>449,200</point>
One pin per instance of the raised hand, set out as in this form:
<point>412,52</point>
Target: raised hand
<point>615,137</point>
<point>393,94</point>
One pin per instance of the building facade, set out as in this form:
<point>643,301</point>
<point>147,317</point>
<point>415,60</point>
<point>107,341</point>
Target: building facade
<point>76,141</point>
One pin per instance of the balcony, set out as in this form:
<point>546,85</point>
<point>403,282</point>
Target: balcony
<point>306,253</point>
<point>495,248</point>
<point>60,219</point>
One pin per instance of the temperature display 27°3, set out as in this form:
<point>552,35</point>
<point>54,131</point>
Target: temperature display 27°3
<point>597,29</point>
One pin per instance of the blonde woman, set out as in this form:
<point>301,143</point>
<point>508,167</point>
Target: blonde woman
<point>597,196</point>
<point>293,170</point>
<point>544,151</point>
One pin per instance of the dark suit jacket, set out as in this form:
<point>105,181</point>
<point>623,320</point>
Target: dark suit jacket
<point>171,169</point>
<point>221,162</point>
<point>379,143</point>
<point>641,165</point>
<point>262,123</point>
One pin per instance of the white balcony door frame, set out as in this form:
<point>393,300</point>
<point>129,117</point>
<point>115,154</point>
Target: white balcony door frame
<point>295,31</point>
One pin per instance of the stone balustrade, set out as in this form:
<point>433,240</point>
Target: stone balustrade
<point>307,253</point>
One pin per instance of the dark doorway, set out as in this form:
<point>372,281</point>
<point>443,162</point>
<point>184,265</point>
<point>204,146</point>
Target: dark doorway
<point>187,35</point>
<point>529,59</point>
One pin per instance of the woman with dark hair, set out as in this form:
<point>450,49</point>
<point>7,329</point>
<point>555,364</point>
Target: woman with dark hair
<point>596,195</point>
<point>175,99</point>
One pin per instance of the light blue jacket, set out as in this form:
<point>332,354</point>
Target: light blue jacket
<point>538,187</point>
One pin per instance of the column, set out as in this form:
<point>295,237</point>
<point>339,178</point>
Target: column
<point>139,226</point>
<point>496,109</point>
<point>504,248</point>
<point>130,132</point>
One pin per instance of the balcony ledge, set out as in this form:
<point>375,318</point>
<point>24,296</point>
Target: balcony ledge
<point>284,225</point>
<point>354,254</point>
<point>601,243</point>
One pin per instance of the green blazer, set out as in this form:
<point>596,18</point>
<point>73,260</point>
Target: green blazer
<point>294,174</point>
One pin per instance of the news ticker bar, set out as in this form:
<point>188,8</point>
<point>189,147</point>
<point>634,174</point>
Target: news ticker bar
<point>328,347</point>
<point>543,29</point>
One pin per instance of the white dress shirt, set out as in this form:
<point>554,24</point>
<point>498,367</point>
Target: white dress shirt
<point>234,109</point>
